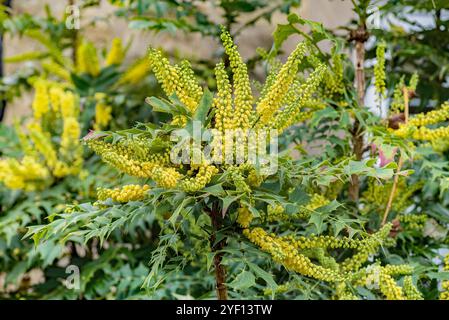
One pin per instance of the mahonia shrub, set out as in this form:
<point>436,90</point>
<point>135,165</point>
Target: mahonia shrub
<point>267,223</point>
<point>41,167</point>
<point>102,81</point>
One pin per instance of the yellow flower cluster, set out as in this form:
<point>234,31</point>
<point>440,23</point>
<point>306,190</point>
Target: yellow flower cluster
<point>135,73</point>
<point>416,127</point>
<point>368,247</point>
<point>243,99</point>
<point>223,102</point>
<point>70,135</point>
<point>276,213</point>
<point>285,253</point>
<point>317,201</point>
<point>426,134</point>
<point>238,180</point>
<point>126,159</point>
<point>271,102</point>
<point>175,80</point>
<point>41,102</point>
<point>440,145</point>
<point>444,295</point>
<point>381,278</point>
<point>377,194</point>
<point>410,290</point>
<point>295,253</point>
<point>389,288</point>
<point>342,292</point>
<point>116,54</point>
<point>56,69</point>
<point>379,70</point>
<point>130,192</point>
<point>413,221</point>
<point>87,59</point>
<point>289,115</point>
<point>200,180</point>
<point>333,80</point>
<point>432,117</point>
<point>102,115</point>
<point>51,104</point>
<point>244,217</point>
<point>27,174</point>
<point>44,159</point>
<point>275,67</point>
<point>254,179</point>
<point>397,105</point>
<point>42,143</point>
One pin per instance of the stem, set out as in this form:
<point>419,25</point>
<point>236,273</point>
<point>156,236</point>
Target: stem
<point>216,247</point>
<point>74,39</point>
<point>400,162</point>
<point>360,36</point>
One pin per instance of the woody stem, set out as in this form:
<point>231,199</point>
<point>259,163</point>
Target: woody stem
<point>216,247</point>
<point>400,163</point>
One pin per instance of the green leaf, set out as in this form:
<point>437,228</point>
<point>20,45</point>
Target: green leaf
<point>299,196</point>
<point>243,281</point>
<point>442,275</point>
<point>203,107</point>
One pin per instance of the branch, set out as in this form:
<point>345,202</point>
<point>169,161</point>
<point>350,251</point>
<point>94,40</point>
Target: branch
<point>400,163</point>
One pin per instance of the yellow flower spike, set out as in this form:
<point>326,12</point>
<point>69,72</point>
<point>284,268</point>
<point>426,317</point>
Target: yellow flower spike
<point>189,82</point>
<point>276,213</point>
<point>389,288</point>
<point>123,158</point>
<point>25,144</point>
<point>271,102</point>
<point>444,295</point>
<point>41,102</point>
<point>200,180</point>
<point>397,105</point>
<point>223,102</point>
<point>55,98</point>
<point>413,84</point>
<point>70,135</point>
<point>416,126</point>
<point>368,247</point>
<point>116,54</point>
<point>410,290</point>
<point>243,99</point>
<point>333,80</point>
<point>124,194</point>
<point>69,105</point>
<point>43,144</point>
<point>244,217</point>
<point>275,67</point>
<point>174,79</point>
<point>286,254</point>
<point>102,115</point>
<point>379,70</point>
<point>28,174</point>
<point>135,73</point>
<point>57,70</point>
<point>432,117</point>
<point>87,59</point>
<point>413,221</point>
<point>287,117</point>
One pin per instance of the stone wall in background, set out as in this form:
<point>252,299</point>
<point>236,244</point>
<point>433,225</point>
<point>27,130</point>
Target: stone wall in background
<point>331,13</point>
